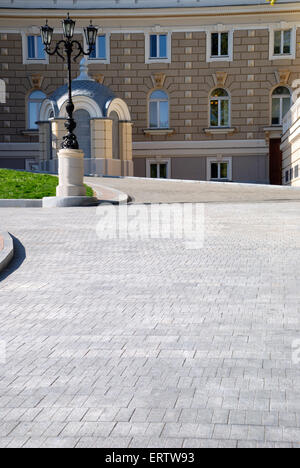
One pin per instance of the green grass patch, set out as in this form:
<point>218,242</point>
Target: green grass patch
<point>18,185</point>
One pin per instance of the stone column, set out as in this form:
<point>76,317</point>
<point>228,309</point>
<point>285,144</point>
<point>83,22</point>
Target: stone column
<point>126,148</point>
<point>71,173</point>
<point>101,133</point>
<point>44,140</point>
<point>58,132</point>
<point>101,138</point>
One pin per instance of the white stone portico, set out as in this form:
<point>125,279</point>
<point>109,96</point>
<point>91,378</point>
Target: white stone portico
<point>104,127</point>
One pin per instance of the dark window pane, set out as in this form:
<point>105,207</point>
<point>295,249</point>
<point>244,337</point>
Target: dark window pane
<point>225,113</point>
<point>153,46</point>
<point>287,42</point>
<point>163,46</point>
<point>153,114</point>
<point>163,171</point>
<point>287,176</point>
<point>215,44</point>
<point>31,48</point>
<point>214,112</point>
<point>220,93</point>
<point>214,170</point>
<point>224,44</point>
<point>277,42</point>
<point>224,170</point>
<point>34,110</point>
<point>153,171</point>
<point>102,47</point>
<point>281,90</point>
<point>276,111</point>
<point>164,114</point>
<point>40,45</point>
<point>286,105</point>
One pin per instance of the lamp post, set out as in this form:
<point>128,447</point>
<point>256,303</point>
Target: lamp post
<point>65,49</point>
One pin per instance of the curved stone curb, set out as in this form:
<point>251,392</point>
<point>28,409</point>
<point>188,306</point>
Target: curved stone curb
<point>108,194</point>
<point>68,202</point>
<point>11,203</point>
<point>7,252</point>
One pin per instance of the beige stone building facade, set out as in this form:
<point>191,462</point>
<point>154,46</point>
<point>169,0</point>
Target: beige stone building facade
<point>207,84</point>
<point>291,146</point>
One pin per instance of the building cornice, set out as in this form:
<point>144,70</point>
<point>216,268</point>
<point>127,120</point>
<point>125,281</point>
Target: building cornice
<point>155,12</point>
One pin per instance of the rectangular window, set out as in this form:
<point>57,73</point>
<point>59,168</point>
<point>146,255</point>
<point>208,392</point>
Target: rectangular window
<point>220,44</point>
<point>159,170</point>
<point>219,171</point>
<point>99,51</point>
<point>287,176</point>
<point>159,113</point>
<point>283,42</point>
<point>158,46</point>
<point>35,48</point>
<point>296,172</point>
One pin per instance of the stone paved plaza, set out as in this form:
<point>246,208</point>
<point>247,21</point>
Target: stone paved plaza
<point>136,343</point>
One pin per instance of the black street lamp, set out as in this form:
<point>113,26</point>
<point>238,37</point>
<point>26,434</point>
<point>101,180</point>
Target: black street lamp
<point>70,46</point>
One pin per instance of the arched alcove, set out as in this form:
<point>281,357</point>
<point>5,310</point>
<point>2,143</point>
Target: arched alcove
<point>80,103</point>
<point>120,107</point>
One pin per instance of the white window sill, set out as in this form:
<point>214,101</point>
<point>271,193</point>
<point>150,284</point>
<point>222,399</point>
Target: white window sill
<point>159,131</point>
<point>31,132</point>
<point>158,60</point>
<point>36,61</point>
<point>219,131</point>
<point>221,58</point>
<point>98,61</point>
<point>220,180</point>
<point>283,57</point>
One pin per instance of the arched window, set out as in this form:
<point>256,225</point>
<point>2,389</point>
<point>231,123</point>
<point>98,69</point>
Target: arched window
<point>2,92</point>
<point>35,100</point>
<point>159,110</point>
<point>281,103</point>
<point>220,108</point>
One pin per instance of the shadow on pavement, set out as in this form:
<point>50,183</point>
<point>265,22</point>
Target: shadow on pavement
<point>18,259</point>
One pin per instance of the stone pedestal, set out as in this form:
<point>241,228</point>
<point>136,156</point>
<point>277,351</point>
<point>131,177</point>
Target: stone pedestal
<point>71,173</point>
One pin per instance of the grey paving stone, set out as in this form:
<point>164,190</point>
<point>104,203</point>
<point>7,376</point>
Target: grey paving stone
<point>145,341</point>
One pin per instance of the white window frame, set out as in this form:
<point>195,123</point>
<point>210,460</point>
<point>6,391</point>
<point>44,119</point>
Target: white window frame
<point>37,101</point>
<point>107,49</point>
<point>26,59</point>
<point>158,161</point>
<point>158,101</point>
<point>279,97</point>
<point>168,59</point>
<point>221,58</point>
<point>219,99</point>
<point>219,162</point>
<point>290,56</point>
